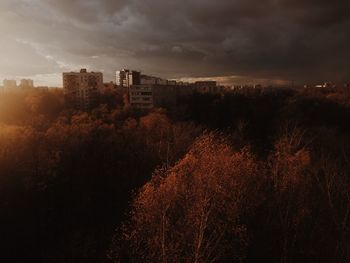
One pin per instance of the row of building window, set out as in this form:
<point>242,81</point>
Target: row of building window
<point>141,99</point>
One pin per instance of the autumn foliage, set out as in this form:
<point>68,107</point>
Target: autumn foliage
<point>192,212</point>
<point>236,178</point>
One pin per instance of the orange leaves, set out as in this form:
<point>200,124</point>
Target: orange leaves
<point>156,121</point>
<point>192,209</point>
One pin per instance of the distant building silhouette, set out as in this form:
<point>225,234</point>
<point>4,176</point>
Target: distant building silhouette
<point>26,84</point>
<point>10,85</point>
<point>150,80</point>
<point>42,88</point>
<point>206,86</point>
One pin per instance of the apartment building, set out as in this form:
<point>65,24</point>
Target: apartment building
<point>127,78</point>
<point>82,88</point>
<point>26,84</point>
<point>9,85</point>
<point>141,96</point>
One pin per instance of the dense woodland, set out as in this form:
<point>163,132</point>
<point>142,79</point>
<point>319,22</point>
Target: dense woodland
<point>245,177</point>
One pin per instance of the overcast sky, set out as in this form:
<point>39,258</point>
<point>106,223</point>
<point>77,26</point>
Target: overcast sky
<point>234,40</point>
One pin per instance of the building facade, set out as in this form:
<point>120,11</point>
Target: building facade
<point>149,96</point>
<point>145,92</point>
<point>141,96</point>
<point>9,85</point>
<point>81,89</point>
<point>26,84</point>
<point>127,78</point>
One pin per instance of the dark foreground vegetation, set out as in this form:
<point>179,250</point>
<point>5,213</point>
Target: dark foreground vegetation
<point>240,178</point>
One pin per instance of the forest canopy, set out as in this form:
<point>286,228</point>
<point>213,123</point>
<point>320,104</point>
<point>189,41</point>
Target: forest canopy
<point>240,177</point>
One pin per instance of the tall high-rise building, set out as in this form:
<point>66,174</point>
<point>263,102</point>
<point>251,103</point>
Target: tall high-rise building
<point>26,83</point>
<point>82,88</point>
<point>9,85</point>
<point>126,78</point>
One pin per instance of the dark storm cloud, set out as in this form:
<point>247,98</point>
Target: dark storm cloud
<point>266,39</point>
